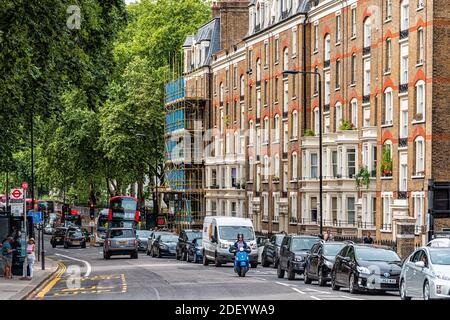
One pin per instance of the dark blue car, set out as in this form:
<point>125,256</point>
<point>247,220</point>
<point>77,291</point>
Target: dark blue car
<point>194,251</point>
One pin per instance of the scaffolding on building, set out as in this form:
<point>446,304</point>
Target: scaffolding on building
<point>184,164</point>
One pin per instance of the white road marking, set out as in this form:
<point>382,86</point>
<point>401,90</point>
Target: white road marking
<point>299,291</point>
<point>315,298</point>
<point>351,298</point>
<point>318,291</point>
<point>88,266</point>
<point>283,284</point>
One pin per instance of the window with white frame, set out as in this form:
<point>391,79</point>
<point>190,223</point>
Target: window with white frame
<point>386,198</point>
<point>353,70</point>
<point>285,96</point>
<point>221,93</point>
<point>258,103</point>
<point>404,15</point>
<point>294,166</point>
<point>353,22</point>
<point>242,88</point>
<point>294,41</point>
<point>388,53</point>
<point>285,136</point>
<point>388,9</point>
<point>276,128</point>
<point>367,77</point>
<point>367,32</point>
<point>351,216</point>
<point>420,4</point>
<point>327,48</point>
<point>388,109</point>
<point>251,168</point>
<point>404,62</point>
<point>351,162</point>
<point>327,93</point>
<point>276,206</point>
<point>420,46</point>
<point>316,37</point>
<point>326,121</point>
<point>338,28</point>
<point>354,112</point>
<point>334,163</point>
<point>294,207</point>
<point>316,122</point>
<point>316,81</point>
<point>266,130</point>
<point>337,115</point>
<point>266,207</point>
<point>251,130</point>
<point>266,167</point>
<point>419,209</point>
<point>229,145</point>
<point>266,54</point>
<point>338,73</point>
<point>314,165</point>
<point>366,116</point>
<point>419,146</point>
<point>277,50</point>
<point>258,69</point>
<point>250,60</point>
<point>420,101</point>
<point>236,143</point>
<point>286,59</point>
<point>294,124</point>
<point>276,169</point>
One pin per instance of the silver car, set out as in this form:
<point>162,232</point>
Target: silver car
<point>426,274</point>
<point>120,241</point>
<point>442,242</point>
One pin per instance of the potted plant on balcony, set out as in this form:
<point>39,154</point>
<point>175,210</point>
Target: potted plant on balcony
<point>346,125</point>
<point>362,179</point>
<point>386,163</point>
<point>308,133</point>
<point>227,120</point>
<point>276,179</point>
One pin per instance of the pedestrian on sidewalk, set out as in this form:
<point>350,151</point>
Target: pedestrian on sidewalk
<point>368,239</point>
<point>7,252</point>
<point>328,236</point>
<point>29,260</point>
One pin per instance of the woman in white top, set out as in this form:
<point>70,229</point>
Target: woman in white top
<point>29,261</point>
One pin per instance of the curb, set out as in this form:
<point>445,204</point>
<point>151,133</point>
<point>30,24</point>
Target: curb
<point>41,284</point>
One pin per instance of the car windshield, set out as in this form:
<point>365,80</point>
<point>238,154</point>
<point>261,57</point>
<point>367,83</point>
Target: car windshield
<point>75,234</point>
<point>440,256</point>
<point>376,254</point>
<point>169,238</point>
<point>193,235</point>
<point>60,231</point>
<point>332,249</point>
<point>121,233</point>
<point>144,234</point>
<point>303,244</point>
<point>230,233</point>
<point>199,242</point>
<point>279,240</point>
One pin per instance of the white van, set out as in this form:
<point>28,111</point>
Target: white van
<point>219,233</point>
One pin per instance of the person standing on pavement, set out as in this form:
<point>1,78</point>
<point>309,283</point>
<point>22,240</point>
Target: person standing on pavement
<point>29,260</point>
<point>328,236</point>
<point>7,252</point>
<point>368,239</point>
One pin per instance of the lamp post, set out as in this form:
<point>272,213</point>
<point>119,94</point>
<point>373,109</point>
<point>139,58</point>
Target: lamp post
<point>317,74</point>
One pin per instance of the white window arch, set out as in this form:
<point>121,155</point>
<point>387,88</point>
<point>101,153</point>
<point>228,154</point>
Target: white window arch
<point>276,127</point>
<point>419,146</point>
<point>221,92</point>
<point>316,121</point>
<point>327,47</point>
<point>286,59</point>
<point>420,100</point>
<point>388,107</point>
<point>367,32</point>
<point>266,129</point>
<point>294,173</point>
<point>294,124</point>
<point>337,115</point>
<point>276,164</point>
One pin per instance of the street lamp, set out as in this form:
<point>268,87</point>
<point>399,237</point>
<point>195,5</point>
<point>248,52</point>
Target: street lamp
<point>317,74</point>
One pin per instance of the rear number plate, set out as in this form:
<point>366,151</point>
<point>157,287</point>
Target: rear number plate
<point>389,281</point>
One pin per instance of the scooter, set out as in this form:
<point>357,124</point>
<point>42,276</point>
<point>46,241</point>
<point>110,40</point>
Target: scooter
<point>241,262</point>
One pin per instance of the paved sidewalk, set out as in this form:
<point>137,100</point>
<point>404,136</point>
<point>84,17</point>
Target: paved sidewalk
<point>16,289</point>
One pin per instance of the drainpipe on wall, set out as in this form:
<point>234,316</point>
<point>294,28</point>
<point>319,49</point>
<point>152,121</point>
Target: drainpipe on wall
<point>304,89</point>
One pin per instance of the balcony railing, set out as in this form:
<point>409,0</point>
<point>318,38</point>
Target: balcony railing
<point>284,194</point>
<point>285,155</point>
<point>293,220</point>
<point>326,64</point>
<point>258,120</point>
<point>404,34</point>
<point>403,142</point>
<point>366,98</point>
<point>402,195</point>
<point>366,50</point>
<point>285,114</point>
<point>258,83</point>
<point>403,88</point>
<point>326,108</point>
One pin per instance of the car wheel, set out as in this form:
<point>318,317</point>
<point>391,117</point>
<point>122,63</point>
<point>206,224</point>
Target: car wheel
<point>321,279</point>
<point>280,272</point>
<point>334,286</point>
<point>135,255</point>
<point>306,278</point>
<point>205,259</point>
<point>426,291</point>
<point>83,246</point>
<point>291,273</point>
<point>217,262</point>
<point>403,295</point>
<point>264,262</point>
<point>352,285</point>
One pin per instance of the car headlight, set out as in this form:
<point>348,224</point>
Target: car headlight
<point>298,259</point>
<point>224,245</point>
<point>442,276</point>
<point>163,246</point>
<point>363,270</point>
<point>327,263</point>
<point>253,246</point>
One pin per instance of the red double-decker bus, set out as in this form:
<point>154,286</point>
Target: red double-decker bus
<point>123,212</point>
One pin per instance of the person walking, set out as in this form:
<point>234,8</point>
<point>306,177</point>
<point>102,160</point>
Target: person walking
<point>328,236</point>
<point>368,239</point>
<point>7,252</point>
<point>29,260</point>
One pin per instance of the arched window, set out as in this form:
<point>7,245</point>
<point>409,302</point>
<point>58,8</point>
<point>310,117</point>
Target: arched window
<point>388,108</point>
<point>294,124</point>
<point>276,128</point>
<point>276,169</point>
<point>242,85</point>
<point>327,48</point>
<point>420,101</point>
<point>316,122</point>
<point>404,15</point>
<point>419,146</point>
<point>367,32</point>
<point>258,69</point>
<point>221,93</point>
<point>286,59</point>
<point>294,166</point>
<point>337,115</point>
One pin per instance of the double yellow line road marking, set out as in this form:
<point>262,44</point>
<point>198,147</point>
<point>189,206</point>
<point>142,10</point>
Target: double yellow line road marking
<point>62,269</point>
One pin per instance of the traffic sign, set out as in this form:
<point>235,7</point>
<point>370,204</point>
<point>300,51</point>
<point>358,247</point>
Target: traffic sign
<point>37,216</point>
<point>17,194</point>
<point>17,209</point>
<point>24,185</point>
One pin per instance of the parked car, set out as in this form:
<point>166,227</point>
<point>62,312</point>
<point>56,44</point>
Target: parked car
<point>194,251</point>
<point>366,268</point>
<point>74,237</point>
<point>58,236</point>
<point>320,261</point>
<point>293,252</point>
<point>440,242</point>
<point>426,274</point>
<point>220,233</point>
<point>165,245</point>
<point>120,241</point>
<point>186,236</point>
<point>142,238</point>
<point>48,229</point>
<point>271,251</point>
<point>260,243</point>
<point>152,239</point>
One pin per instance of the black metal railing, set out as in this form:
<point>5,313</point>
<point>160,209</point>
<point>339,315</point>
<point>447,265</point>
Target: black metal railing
<point>326,64</point>
<point>242,98</point>
<point>258,83</point>
<point>402,194</point>
<point>258,120</point>
<point>326,108</point>
<point>403,142</point>
<point>403,88</point>
<point>285,155</point>
<point>404,34</point>
<point>284,194</point>
<point>366,98</point>
<point>366,50</point>
<point>285,114</point>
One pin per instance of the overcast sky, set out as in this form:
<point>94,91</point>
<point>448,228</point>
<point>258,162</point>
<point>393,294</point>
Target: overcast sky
<point>131,1</point>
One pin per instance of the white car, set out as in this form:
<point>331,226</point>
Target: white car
<point>426,274</point>
<point>441,243</point>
